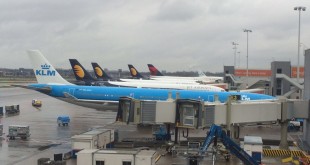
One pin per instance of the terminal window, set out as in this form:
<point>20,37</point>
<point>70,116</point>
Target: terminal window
<point>99,162</point>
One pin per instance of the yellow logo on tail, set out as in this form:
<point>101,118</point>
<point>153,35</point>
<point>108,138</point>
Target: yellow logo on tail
<point>133,71</point>
<point>79,71</point>
<point>98,71</point>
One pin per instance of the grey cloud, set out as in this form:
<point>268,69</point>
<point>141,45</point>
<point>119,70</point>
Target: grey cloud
<point>172,34</point>
<point>178,10</point>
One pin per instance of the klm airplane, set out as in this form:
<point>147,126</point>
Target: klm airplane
<point>52,84</point>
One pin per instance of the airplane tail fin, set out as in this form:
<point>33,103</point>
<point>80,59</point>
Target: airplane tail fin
<point>43,70</point>
<point>99,72</point>
<point>80,72</point>
<point>154,71</point>
<point>133,71</point>
<point>201,74</point>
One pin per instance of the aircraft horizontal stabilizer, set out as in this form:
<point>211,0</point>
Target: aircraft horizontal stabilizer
<point>45,90</point>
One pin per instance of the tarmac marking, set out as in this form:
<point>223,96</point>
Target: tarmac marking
<point>291,153</point>
<point>279,152</point>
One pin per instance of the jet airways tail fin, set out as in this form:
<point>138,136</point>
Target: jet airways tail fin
<point>43,70</point>
<point>99,72</point>
<point>154,71</point>
<point>134,73</point>
<point>79,71</point>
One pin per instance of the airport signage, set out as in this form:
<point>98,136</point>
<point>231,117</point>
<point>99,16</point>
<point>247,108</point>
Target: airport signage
<point>253,73</point>
<point>267,73</point>
<point>294,72</point>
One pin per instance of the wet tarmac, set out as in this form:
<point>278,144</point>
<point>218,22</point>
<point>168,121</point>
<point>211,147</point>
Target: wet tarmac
<point>47,138</point>
<point>45,133</point>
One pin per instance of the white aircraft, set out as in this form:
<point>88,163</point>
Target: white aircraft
<point>156,75</point>
<point>161,81</point>
<point>166,85</point>
<point>202,79</point>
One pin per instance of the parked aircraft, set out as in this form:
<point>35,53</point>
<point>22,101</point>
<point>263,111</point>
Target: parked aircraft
<point>165,85</point>
<point>52,84</point>
<point>139,83</point>
<point>135,74</point>
<point>83,75</point>
<point>159,81</point>
<point>156,75</point>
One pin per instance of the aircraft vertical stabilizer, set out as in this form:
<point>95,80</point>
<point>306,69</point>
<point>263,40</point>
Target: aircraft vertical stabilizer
<point>99,72</point>
<point>80,72</point>
<point>43,70</point>
<point>154,71</point>
<point>134,72</point>
<point>201,74</point>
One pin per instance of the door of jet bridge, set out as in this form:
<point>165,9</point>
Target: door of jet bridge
<point>125,112</point>
<point>188,115</point>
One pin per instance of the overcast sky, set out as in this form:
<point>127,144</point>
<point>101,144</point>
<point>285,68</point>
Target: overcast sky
<point>174,35</point>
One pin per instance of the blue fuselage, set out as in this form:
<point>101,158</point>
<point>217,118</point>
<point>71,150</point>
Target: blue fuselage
<point>114,93</point>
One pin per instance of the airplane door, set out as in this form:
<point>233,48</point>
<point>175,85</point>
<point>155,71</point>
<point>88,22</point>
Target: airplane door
<point>211,98</point>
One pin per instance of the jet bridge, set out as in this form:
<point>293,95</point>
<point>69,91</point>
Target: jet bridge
<point>145,111</point>
<point>196,114</point>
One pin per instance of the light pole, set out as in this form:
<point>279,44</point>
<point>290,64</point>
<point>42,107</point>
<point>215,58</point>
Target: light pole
<point>247,54</point>
<point>235,47</point>
<point>238,59</point>
<point>299,8</point>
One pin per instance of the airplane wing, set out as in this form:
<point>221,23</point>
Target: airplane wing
<point>105,102</point>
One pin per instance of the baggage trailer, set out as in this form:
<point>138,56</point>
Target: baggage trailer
<point>21,131</point>
<point>12,109</point>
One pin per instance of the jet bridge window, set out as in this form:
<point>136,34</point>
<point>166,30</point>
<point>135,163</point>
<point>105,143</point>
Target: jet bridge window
<point>188,115</point>
<point>126,162</point>
<point>99,162</point>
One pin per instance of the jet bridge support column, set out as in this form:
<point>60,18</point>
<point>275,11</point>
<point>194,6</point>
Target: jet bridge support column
<point>284,124</point>
<point>232,130</point>
<point>228,117</point>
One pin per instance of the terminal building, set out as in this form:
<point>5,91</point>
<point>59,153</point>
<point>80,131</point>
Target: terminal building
<point>281,80</point>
